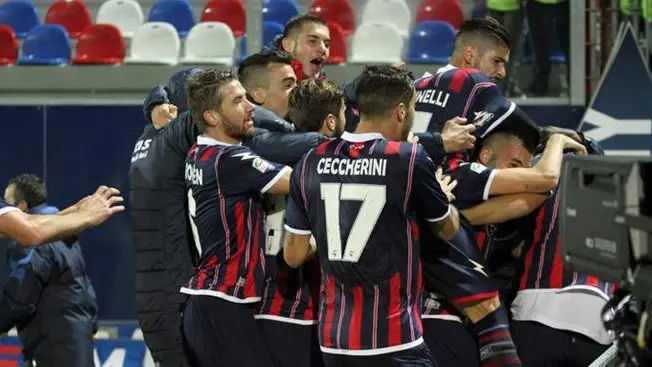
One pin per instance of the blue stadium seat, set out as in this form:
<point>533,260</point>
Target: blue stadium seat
<point>431,42</point>
<point>242,52</point>
<point>46,44</point>
<point>20,15</point>
<point>271,30</point>
<point>279,11</point>
<point>176,12</point>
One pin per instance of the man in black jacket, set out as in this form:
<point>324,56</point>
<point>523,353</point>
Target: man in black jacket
<point>48,296</point>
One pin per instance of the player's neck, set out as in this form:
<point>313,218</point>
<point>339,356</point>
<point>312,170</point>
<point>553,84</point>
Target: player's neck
<point>221,136</point>
<point>378,127</point>
<point>458,61</point>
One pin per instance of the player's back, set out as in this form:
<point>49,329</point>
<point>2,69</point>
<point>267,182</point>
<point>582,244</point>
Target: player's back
<point>357,191</point>
<point>453,92</point>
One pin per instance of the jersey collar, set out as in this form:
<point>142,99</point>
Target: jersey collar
<point>207,140</point>
<point>446,68</point>
<point>359,138</point>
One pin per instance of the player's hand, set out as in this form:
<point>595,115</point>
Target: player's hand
<point>100,206</point>
<point>571,145</point>
<point>447,184</point>
<point>412,139</point>
<point>163,114</point>
<point>457,135</point>
<point>550,130</point>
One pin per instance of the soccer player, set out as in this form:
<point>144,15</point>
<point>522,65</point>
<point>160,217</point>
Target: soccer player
<point>358,195</point>
<point>47,290</point>
<point>225,181</point>
<point>307,39</point>
<point>33,229</point>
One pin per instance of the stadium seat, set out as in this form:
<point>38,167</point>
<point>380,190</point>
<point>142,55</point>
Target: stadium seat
<point>100,44</point>
<point>46,44</point>
<point>8,45</point>
<point>431,42</point>
<point>242,46</point>
<point>155,43</point>
<point>72,15</point>
<point>176,12</point>
<point>395,12</point>
<point>230,12</point>
<point>377,42</point>
<point>450,11</point>
<point>338,45</point>
<point>340,12</point>
<point>126,15</point>
<point>209,43</point>
<point>271,30</point>
<point>20,15</point>
<point>279,11</point>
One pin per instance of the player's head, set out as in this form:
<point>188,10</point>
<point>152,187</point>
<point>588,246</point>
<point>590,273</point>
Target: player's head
<point>25,192</point>
<point>505,149</point>
<point>177,91</point>
<point>307,38</point>
<point>268,78</point>
<point>482,44</point>
<point>318,105</point>
<point>219,106</point>
<point>386,94</point>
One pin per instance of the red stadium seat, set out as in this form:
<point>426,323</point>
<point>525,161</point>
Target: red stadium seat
<point>100,44</point>
<point>8,45</point>
<point>230,12</point>
<point>450,11</point>
<point>71,14</point>
<point>340,12</point>
<point>338,45</point>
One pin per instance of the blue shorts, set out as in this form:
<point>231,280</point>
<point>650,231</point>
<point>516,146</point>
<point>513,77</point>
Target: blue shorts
<point>418,356</point>
<point>292,345</point>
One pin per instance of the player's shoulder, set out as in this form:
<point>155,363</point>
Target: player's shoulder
<point>471,168</point>
<point>467,76</point>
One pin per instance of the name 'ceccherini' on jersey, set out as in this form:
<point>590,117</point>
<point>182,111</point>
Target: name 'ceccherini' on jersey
<point>225,185</point>
<point>359,196</point>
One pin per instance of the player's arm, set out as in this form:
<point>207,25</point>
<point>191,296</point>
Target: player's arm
<point>32,230</point>
<point>541,178</point>
<point>244,171</point>
<point>430,200</point>
<point>297,248</point>
<point>503,208</point>
<point>295,145</point>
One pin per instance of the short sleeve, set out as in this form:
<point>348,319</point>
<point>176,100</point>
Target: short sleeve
<point>473,184</point>
<point>427,196</point>
<point>241,170</point>
<point>489,108</point>
<point>5,208</point>
<point>296,213</point>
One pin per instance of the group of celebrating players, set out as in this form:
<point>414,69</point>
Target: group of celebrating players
<point>416,227</point>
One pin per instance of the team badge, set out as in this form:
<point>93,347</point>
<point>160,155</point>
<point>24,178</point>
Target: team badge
<point>260,164</point>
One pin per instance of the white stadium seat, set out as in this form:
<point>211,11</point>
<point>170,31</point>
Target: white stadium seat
<point>376,42</point>
<point>155,43</point>
<point>209,43</point>
<point>126,15</point>
<point>395,12</point>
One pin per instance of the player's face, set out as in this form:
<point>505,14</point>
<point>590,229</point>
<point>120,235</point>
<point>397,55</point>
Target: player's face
<point>236,112</point>
<point>493,62</point>
<point>311,47</point>
<point>511,154</point>
<point>281,81</point>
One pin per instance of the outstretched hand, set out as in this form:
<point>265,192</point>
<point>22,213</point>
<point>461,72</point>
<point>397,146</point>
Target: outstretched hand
<point>105,202</point>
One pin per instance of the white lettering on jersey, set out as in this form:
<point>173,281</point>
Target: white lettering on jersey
<point>352,167</point>
<point>433,96</point>
<point>194,175</point>
<point>246,155</point>
<point>140,150</point>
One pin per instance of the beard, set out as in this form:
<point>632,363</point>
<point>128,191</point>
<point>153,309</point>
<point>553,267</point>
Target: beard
<point>239,130</point>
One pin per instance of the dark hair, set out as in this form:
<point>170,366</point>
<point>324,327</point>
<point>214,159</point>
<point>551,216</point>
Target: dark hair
<point>488,28</point>
<point>29,188</point>
<point>525,137</point>
<point>204,93</point>
<point>251,71</point>
<point>311,101</point>
<point>381,88</point>
<point>296,23</point>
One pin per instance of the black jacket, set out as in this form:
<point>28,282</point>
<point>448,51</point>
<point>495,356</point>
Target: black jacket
<point>50,300</point>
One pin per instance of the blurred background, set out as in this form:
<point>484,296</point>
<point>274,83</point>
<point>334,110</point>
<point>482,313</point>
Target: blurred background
<point>71,88</point>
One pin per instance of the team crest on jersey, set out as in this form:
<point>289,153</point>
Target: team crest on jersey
<point>477,167</point>
<point>260,164</point>
<point>480,118</point>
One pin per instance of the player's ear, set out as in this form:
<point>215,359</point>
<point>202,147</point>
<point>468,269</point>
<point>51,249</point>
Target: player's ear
<point>469,55</point>
<point>258,95</point>
<point>288,44</point>
<point>485,155</point>
<point>211,117</point>
<point>22,205</point>
<point>330,122</point>
<point>401,112</point>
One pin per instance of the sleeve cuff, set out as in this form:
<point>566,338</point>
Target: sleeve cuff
<point>487,186</point>
<point>274,180</point>
<point>439,219</point>
<point>301,232</point>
